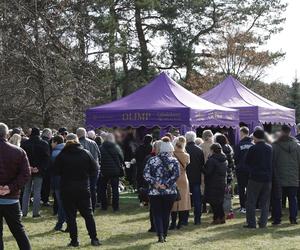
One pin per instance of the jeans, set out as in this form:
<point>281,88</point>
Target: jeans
<point>242,180</point>
<point>93,189</point>
<point>61,217</point>
<point>12,216</point>
<point>161,206</point>
<point>258,192</point>
<point>114,182</point>
<point>79,200</point>
<point>197,202</point>
<point>35,183</point>
<point>218,211</point>
<point>291,193</point>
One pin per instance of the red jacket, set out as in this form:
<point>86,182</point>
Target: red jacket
<point>14,169</point>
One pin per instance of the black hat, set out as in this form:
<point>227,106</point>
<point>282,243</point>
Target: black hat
<point>35,131</point>
<point>259,134</point>
<point>62,131</point>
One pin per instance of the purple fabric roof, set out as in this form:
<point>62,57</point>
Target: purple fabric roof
<point>162,103</point>
<point>253,107</point>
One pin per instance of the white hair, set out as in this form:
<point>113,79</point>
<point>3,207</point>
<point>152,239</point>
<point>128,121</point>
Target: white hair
<point>81,132</point>
<point>110,138</point>
<point>190,136</point>
<point>47,132</point>
<point>91,134</point>
<point>166,147</point>
<point>72,137</point>
<point>15,140</point>
<point>3,130</point>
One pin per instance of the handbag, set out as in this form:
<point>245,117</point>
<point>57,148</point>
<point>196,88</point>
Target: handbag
<point>178,196</point>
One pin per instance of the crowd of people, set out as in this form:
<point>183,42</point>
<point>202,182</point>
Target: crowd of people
<point>172,175</point>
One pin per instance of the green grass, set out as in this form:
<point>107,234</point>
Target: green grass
<point>128,230</point>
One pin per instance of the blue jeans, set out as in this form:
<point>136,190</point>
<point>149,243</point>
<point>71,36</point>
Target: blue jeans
<point>197,202</point>
<point>34,183</point>
<point>61,217</point>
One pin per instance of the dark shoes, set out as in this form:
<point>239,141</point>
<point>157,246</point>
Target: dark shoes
<point>95,242</point>
<point>36,216</point>
<point>294,222</point>
<point>73,244</point>
<point>172,226</point>
<point>249,227</point>
<point>151,230</point>
<point>161,239</point>
<point>276,223</point>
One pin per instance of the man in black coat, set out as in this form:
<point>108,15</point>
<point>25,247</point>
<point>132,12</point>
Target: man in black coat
<point>140,155</point>
<point>242,170</point>
<point>259,160</point>
<point>194,170</point>
<point>38,152</point>
<point>75,166</point>
<point>112,161</point>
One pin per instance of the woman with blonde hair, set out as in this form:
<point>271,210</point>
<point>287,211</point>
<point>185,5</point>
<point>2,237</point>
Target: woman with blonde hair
<point>15,140</point>
<point>181,207</point>
<point>207,137</point>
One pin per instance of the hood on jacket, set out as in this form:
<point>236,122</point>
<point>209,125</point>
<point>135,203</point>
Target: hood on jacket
<point>219,157</point>
<point>287,143</point>
<point>73,146</point>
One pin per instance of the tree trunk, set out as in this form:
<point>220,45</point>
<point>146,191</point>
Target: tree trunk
<point>112,51</point>
<point>142,41</point>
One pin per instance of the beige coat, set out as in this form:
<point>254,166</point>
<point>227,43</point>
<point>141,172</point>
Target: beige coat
<point>182,183</point>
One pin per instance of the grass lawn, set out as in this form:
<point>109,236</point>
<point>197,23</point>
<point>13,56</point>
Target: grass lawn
<point>127,229</point>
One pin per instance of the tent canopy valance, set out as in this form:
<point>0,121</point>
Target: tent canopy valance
<point>161,103</point>
<point>253,108</point>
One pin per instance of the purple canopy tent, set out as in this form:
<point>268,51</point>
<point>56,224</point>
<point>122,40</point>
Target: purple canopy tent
<point>161,103</point>
<point>254,109</point>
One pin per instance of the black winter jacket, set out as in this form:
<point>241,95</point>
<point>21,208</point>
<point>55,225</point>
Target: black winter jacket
<point>38,153</point>
<point>194,169</point>
<point>215,175</point>
<point>259,160</point>
<point>240,154</point>
<point>75,165</point>
<point>112,159</point>
<point>140,154</point>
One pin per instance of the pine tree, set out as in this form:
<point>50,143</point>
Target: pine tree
<point>295,98</point>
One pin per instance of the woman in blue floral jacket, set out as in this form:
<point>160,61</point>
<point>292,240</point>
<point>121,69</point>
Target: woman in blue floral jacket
<point>161,172</point>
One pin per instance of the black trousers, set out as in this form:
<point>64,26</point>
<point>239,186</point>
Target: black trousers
<point>12,216</point>
<point>114,182</point>
<point>242,179</point>
<point>46,187</point>
<point>218,211</point>
<point>81,201</point>
<point>161,206</point>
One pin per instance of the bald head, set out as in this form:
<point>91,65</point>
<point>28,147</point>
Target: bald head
<point>3,130</point>
<point>81,133</point>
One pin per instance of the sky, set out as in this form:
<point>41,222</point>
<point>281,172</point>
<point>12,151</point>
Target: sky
<point>288,41</point>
